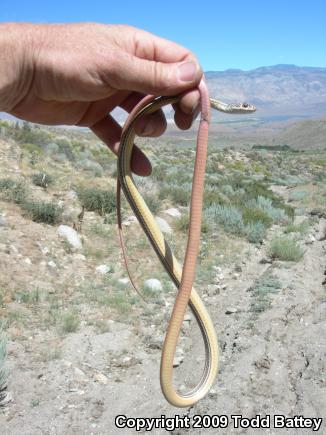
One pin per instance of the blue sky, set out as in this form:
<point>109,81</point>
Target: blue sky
<point>224,34</point>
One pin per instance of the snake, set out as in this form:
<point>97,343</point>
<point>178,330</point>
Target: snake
<point>182,277</point>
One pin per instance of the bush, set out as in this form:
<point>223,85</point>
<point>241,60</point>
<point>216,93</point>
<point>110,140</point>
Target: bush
<point>46,212</point>
<point>153,203</point>
<point>178,194</point>
<point>227,216</point>
<point>253,215</point>
<point>3,371</point>
<point>255,232</point>
<point>261,290</point>
<point>51,148</point>
<point>12,190</point>
<point>286,249</point>
<point>276,215</point>
<point>42,179</point>
<point>297,195</point>
<point>68,322</point>
<point>94,199</point>
<point>91,166</point>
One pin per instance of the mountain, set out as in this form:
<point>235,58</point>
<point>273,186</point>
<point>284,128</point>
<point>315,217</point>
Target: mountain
<point>277,91</point>
<point>280,92</point>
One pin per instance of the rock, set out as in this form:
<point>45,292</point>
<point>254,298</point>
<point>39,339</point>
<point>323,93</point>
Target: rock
<point>123,281</point>
<point>79,375</point>
<point>80,257</point>
<point>52,264</point>
<point>265,260</point>
<point>12,249</point>
<point>310,239</point>
<point>101,379</point>
<point>129,221</point>
<point>155,342</point>
<point>153,284</point>
<point>72,195</point>
<point>173,212</point>
<point>264,362</point>
<point>231,310</point>
<point>27,261</point>
<point>44,249</point>
<point>6,400</point>
<point>177,360</point>
<point>70,235</point>
<point>3,222</point>
<point>163,225</point>
<point>103,269</point>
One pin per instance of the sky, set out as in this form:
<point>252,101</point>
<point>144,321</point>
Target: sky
<point>243,34</point>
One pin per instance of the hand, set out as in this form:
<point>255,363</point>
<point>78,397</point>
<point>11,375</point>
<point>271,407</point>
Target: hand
<point>77,73</point>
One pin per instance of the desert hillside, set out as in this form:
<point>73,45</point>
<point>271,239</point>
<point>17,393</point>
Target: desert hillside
<point>79,347</point>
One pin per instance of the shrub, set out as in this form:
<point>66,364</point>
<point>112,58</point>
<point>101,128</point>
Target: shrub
<point>213,196</point>
<point>182,224</point>
<point>285,248</point>
<point>297,195</point>
<point>227,216</point>
<point>91,166</point>
<point>94,199</point>
<point>261,290</point>
<point>41,211</point>
<point>12,190</point>
<point>68,322</point>
<point>42,179</point>
<point>51,148</point>
<point>255,232</point>
<point>252,215</point>
<point>3,371</point>
<point>272,213</point>
<point>178,194</point>
<point>152,201</point>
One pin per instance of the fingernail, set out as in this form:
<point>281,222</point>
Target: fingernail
<point>187,71</point>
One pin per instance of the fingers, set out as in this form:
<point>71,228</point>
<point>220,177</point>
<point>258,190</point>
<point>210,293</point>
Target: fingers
<point>150,125</point>
<point>151,77</point>
<point>109,131</point>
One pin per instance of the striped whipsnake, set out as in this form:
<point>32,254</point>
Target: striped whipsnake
<point>183,278</point>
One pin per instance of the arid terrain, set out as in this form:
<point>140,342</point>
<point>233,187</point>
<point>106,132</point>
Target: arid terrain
<point>83,348</point>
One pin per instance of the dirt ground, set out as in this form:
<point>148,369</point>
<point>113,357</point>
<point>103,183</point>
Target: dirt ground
<point>271,363</point>
<point>272,345</point>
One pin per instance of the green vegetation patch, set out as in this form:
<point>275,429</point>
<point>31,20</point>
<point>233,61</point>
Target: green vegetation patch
<point>45,212</point>
<point>94,199</point>
<point>285,248</point>
<point>42,179</point>
<point>13,190</point>
<point>3,371</point>
<point>261,291</point>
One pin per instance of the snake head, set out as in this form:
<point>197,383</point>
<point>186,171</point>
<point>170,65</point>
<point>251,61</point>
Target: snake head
<point>248,107</point>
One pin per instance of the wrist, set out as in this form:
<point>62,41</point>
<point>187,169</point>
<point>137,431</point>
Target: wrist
<point>16,64</point>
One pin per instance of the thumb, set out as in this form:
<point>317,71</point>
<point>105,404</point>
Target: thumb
<point>156,78</point>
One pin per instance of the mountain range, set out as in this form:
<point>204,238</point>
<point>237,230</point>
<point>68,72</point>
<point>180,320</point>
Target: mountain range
<point>280,92</point>
<point>277,91</point>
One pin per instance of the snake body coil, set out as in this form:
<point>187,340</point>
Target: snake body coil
<point>183,278</point>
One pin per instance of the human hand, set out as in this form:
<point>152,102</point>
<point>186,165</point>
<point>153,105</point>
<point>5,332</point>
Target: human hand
<point>76,74</point>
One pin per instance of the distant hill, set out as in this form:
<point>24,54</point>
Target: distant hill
<point>280,90</point>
